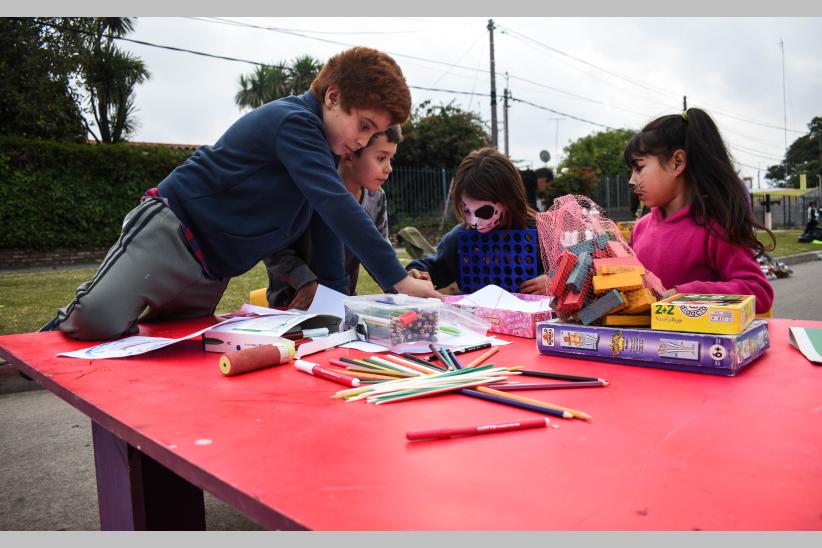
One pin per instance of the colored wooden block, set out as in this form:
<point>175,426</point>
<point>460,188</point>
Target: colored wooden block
<point>600,307</point>
<point>591,245</point>
<point>616,320</point>
<point>627,281</point>
<point>564,266</point>
<point>600,254</point>
<point>616,249</point>
<point>640,301</point>
<point>581,272</point>
<point>609,268</point>
<point>623,261</point>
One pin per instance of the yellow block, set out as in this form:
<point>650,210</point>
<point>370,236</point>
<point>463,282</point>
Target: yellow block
<point>257,297</point>
<point>624,282</point>
<point>639,301</point>
<point>620,269</point>
<point>617,320</point>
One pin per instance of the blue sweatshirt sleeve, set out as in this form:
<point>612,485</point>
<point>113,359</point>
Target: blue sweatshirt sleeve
<point>303,150</point>
<point>444,266</point>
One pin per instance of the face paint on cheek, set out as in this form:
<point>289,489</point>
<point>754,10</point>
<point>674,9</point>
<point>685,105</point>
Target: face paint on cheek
<point>482,216</point>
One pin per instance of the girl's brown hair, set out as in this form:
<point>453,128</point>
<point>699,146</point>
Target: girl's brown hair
<point>367,78</point>
<point>486,174</point>
<point>718,194</point>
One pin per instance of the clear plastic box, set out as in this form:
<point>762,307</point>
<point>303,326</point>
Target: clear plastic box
<point>391,320</point>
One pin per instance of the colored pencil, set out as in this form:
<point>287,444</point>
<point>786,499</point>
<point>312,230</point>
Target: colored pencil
<point>425,363</point>
<point>516,403</point>
<point>444,433</point>
<point>453,359</point>
<point>558,376</point>
<point>546,386</point>
<point>493,350</point>
<point>574,412</point>
<point>482,346</point>
<point>442,358</point>
<point>376,360</point>
<point>424,369</point>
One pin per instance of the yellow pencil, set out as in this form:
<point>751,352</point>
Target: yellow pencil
<point>575,412</point>
<point>485,356</point>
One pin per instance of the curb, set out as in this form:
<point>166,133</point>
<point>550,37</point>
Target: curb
<point>801,258</point>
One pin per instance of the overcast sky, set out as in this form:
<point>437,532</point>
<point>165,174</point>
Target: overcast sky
<point>614,72</point>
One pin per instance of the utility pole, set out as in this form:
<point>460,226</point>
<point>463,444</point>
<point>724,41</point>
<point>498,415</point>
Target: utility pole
<point>684,103</point>
<point>784,109</point>
<point>505,95</point>
<point>493,87</point>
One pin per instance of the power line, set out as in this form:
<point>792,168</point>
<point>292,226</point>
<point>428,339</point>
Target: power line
<point>638,83</point>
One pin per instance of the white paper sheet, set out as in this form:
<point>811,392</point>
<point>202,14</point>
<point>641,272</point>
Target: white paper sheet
<point>493,296</point>
<point>327,301</point>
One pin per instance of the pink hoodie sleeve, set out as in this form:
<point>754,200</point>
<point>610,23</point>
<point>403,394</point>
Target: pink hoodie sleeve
<point>740,273</point>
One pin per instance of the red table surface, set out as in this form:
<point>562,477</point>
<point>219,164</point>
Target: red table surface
<point>665,449</point>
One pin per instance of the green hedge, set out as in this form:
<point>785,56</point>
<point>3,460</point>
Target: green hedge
<point>73,195</point>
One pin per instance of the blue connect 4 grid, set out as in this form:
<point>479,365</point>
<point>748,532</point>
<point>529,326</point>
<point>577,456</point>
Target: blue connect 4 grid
<point>502,257</point>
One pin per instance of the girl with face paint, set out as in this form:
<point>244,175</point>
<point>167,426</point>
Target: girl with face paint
<point>487,194</point>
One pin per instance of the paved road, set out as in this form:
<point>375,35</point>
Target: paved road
<point>46,456</point>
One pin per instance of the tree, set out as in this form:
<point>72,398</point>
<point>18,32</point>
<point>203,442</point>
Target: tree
<point>601,152</point>
<point>108,74</point>
<point>270,82</point>
<point>573,180</point>
<point>36,98</point>
<point>803,156</point>
<point>440,136</point>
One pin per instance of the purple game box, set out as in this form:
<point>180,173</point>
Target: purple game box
<point>695,352</point>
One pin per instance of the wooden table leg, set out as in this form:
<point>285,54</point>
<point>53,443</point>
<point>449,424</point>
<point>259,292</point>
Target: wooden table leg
<point>137,493</point>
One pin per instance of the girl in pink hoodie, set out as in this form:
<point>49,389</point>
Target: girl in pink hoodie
<point>700,236</point>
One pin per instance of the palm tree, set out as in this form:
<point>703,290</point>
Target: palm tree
<point>108,74</point>
<point>302,72</point>
<point>265,84</point>
<point>270,82</point>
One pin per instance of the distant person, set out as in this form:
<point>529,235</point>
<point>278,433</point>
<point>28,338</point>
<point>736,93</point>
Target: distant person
<point>700,236</point>
<point>545,176</point>
<point>529,181</point>
<point>488,195</point>
<point>269,178</point>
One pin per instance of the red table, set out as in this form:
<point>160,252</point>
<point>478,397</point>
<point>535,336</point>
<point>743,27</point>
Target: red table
<point>665,450</point>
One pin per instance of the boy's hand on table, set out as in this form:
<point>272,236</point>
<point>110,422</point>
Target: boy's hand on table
<point>304,296</point>
<point>535,286</point>
<point>419,274</point>
<point>417,288</point>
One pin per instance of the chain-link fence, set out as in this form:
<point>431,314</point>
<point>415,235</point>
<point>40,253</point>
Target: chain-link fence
<point>422,192</point>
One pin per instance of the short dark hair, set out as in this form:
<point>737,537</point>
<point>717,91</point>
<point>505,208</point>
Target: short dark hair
<point>393,134</point>
<point>367,78</point>
<point>544,173</point>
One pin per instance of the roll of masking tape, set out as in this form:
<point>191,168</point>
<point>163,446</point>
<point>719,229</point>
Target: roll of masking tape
<point>237,362</point>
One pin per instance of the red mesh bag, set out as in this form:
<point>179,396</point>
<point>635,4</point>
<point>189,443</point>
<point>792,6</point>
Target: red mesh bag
<point>574,235</point>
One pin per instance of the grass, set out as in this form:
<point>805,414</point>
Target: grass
<point>29,300</point>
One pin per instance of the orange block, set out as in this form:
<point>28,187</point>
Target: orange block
<point>617,320</point>
<point>620,268</point>
<point>625,282</point>
<point>640,301</point>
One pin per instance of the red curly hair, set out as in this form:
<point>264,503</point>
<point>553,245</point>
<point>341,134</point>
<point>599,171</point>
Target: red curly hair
<point>367,78</point>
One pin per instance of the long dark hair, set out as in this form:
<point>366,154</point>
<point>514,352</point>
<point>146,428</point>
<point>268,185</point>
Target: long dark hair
<point>486,174</point>
<point>718,195</point>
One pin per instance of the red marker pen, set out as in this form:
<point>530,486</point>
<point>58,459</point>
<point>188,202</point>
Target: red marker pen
<point>319,371</point>
<point>442,433</point>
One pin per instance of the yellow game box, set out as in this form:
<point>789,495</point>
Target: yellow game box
<point>699,313</point>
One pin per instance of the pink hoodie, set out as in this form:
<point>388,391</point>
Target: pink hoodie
<point>684,256</point>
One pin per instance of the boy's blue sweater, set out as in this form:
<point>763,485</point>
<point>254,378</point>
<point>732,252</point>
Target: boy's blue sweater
<point>270,177</point>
